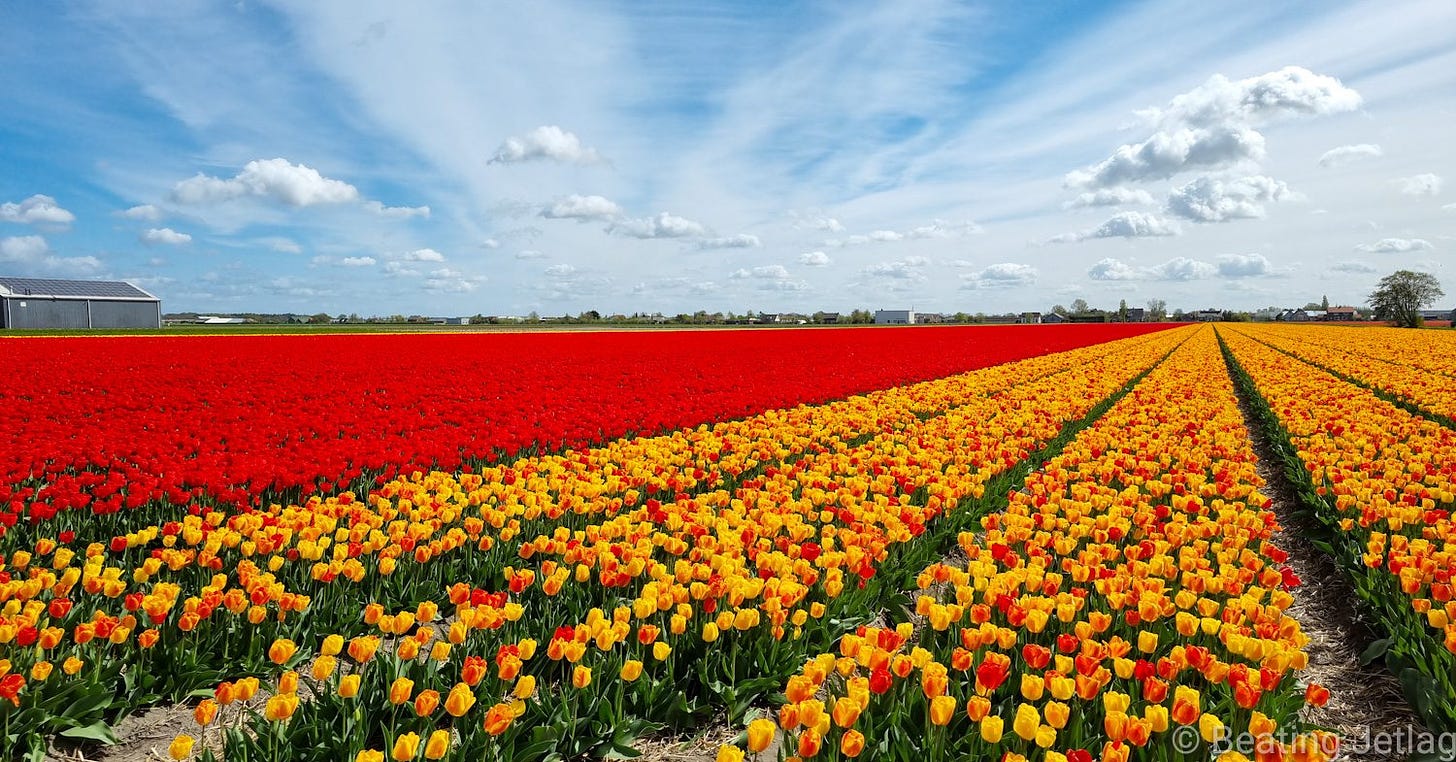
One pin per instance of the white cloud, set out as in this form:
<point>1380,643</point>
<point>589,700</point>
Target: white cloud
<point>936,229</point>
<point>357,261</point>
<point>1210,200</point>
<point>423,255</point>
<point>1244,265</point>
<point>561,270</point>
<point>664,225</point>
<point>31,255</point>
<point>1124,225</point>
<point>530,254</point>
<point>740,241</point>
<point>1117,196</point>
<point>285,245</point>
<point>547,142</point>
<point>22,248</point>
<point>168,236</point>
<point>1002,275</point>
<point>1346,154</point>
<point>1354,267</point>
<point>146,212</point>
<point>1425,184</point>
<point>37,208</point>
<point>490,243</point>
<point>814,259</point>
<point>582,209</point>
<point>453,283</point>
<point>1176,269</point>
<point>397,212</point>
<point>766,272</point>
<point>400,268</point>
<point>1395,246</point>
<point>1112,269</point>
<point>1213,125</point>
<point>817,222</point>
<point>909,268</point>
<point>276,179</point>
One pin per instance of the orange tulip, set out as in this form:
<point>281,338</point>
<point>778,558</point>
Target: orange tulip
<point>401,690</point>
<point>581,677</point>
<point>498,718</point>
<point>459,700</point>
<point>281,651</point>
<point>760,734</point>
<point>852,744</point>
<point>942,709</point>
<point>426,703</point>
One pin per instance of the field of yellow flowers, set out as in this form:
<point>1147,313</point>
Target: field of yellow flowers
<point>1066,557</point>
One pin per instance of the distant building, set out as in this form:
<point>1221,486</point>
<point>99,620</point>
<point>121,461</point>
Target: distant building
<point>1208,316</point>
<point>1136,314</point>
<point>50,303</point>
<point>1052,317</point>
<point>215,320</point>
<point>895,317</point>
<point>829,318</point>
<point>1030,318</point>
<point>1342,314</point>
<point>1292,316</point>
<point>929,318</point>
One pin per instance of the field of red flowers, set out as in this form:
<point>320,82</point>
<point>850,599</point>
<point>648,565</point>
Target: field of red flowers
<point>105,424</point>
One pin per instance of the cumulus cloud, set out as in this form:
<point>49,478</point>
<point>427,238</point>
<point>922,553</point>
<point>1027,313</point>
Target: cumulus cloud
<point>816,222</point>
<point>36,209</point>
<point>559,271</point>
<point>1346,154</point>
<point>814,259</point>
<point>936,229</point>
<point>31,255</point>
<point>1425,184</point>
<point>1003,275</point>
<point>1111,197</point>
<point>146,212</point>
<point>664,225</point>
<point>582,209</point>
<point>909,268</point>
<point>1176,269</point>
<point>275,179</point>
<point>1244,265</point>
<point>1124,225</point>
<point>357,261</point>
<point>1361,268</point>
<point>740,241</point>
<point>168,236</point>
<point>1214,124</point>
<point>545,143</point>
<point>423,255</point>
<point>1395,246</point>
<point>400,268</point>
<point>397,212</point>
<point>1210,200</point>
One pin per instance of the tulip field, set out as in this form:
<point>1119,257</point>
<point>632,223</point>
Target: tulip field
<point>1018,543</point>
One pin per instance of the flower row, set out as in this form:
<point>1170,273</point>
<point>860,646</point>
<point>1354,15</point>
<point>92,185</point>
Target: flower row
<point>1381,480</point>
<point>1129,590</point>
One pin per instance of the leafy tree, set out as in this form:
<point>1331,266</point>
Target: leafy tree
<point>1058,309</point>
<point>1400,296</point>
<point>1079,306</point>
<point>1157,310</point>
<point>1122,311</point>
<point>1325,303</point>
<point>319,318</point>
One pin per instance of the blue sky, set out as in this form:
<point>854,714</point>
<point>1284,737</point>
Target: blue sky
<point>500,158</point>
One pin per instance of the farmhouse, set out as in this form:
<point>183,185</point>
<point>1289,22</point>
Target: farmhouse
<point>49,303</point>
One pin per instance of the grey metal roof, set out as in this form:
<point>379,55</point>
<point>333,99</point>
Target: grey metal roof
<point>50,287</point>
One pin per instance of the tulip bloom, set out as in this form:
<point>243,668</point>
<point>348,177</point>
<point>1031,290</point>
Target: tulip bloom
<point>459,700</point>
<point>498,718</point>
<point>852,744</point>
<point>281,706</point>
<point>438,745</point>
<point>942,709</point>
<point>992,727</point>
<point>581,677</point>
<point>1026,722</point>
<point>205,712</point>
<point>406,746</point>
<point>760,734</point>
<point>181,747</point>
<point>349,686</point>
<point>281,651</point>
<point>401,690</point>
<point>631,670</point>
<point>728,753</point>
